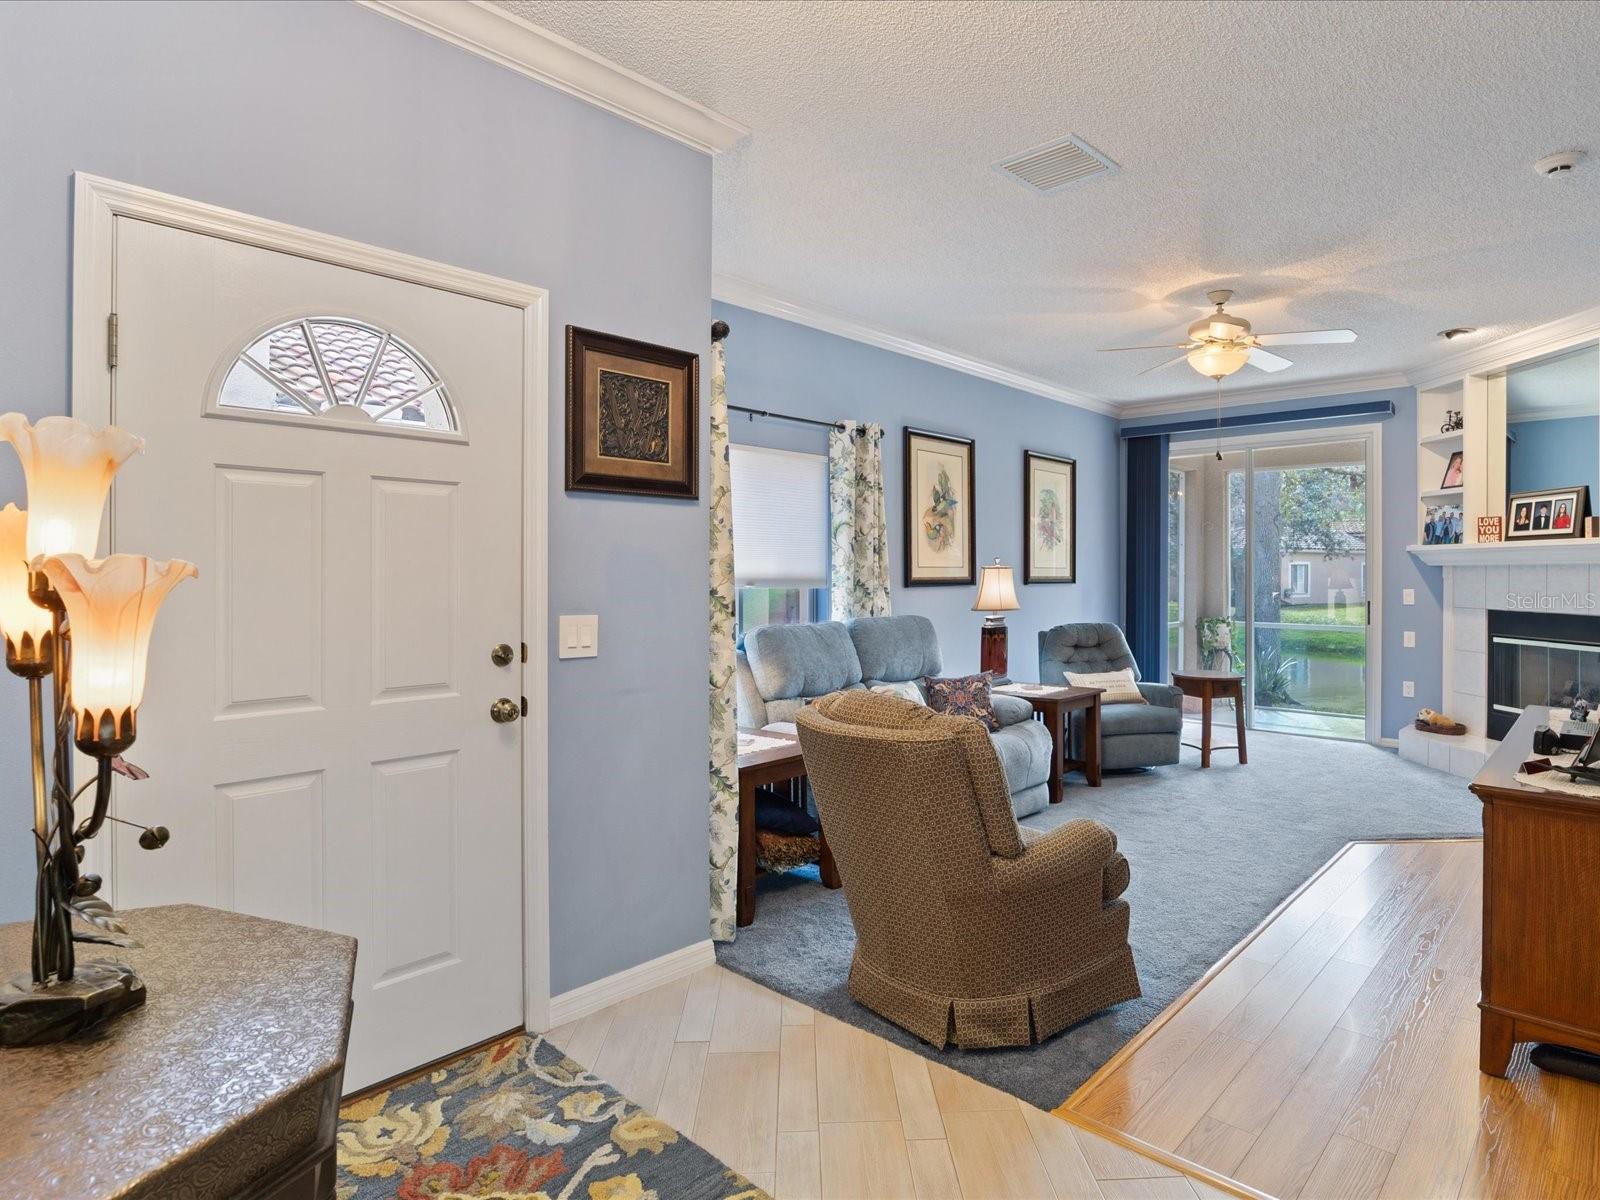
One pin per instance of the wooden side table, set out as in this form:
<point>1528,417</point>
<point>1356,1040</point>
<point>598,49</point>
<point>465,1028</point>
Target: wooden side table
<point>1051,704</point>
<point>1209,686</point>
<point>768,765</point>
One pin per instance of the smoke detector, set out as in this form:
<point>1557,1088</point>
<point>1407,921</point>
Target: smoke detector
<point>1554,166</point>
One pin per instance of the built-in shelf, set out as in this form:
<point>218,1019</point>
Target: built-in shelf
<point>1442,494</point>
<point>1443,441</point>
<point>1529,552</point>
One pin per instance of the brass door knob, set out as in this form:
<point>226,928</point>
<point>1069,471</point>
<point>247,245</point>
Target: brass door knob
<point>504,711</point>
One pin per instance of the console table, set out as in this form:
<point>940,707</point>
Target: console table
<point>1541,891</point>
<point>224,1083</point>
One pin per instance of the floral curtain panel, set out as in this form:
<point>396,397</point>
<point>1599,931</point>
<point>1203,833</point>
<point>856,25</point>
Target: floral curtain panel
<point>724,727</point>
<point>860,532</point>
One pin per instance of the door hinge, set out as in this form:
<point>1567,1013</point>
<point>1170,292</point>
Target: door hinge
<point>524,706</point>
<point>111,340</point>
<point>524,651</point>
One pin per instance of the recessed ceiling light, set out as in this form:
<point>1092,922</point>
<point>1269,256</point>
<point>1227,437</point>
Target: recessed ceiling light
<point>1450,335</point>
<point>1553,166</point>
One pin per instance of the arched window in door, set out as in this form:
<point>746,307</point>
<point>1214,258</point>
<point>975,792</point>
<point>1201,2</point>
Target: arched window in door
<point>340,369</point>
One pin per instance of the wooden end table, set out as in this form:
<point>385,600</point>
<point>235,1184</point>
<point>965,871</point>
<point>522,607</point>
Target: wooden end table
<point>1209,686</point>
<point>771,764</point>
<point>1051,704</point>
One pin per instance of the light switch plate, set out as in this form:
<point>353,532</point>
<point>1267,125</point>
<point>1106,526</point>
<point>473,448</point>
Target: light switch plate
<point>578,637</point>
<point>1408,689</point>
<point>1409,639</point>
<point>1408,596</point>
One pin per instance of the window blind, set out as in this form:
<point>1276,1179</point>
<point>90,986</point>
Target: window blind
<point>780,517</point>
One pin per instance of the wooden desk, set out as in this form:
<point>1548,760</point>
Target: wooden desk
<point>1210,686</point>
<point>224,1084</point>
<point>1541,894</point>
<point>1052,706</point>
<point>777,764</point>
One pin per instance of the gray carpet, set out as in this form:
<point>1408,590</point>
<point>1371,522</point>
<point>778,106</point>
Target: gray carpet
<point>1212,853</point>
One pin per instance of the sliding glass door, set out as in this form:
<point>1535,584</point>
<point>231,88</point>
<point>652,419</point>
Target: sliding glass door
<point>1274,540</point>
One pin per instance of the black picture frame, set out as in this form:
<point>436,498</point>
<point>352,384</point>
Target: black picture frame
<point>1455,464</point>
<point>1543,509</point>
<point>1033,572</point>
<point>667,384</point>
<point>929,442</point>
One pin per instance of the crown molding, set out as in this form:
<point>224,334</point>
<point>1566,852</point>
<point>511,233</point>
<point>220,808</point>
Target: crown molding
<point>1239,397</point>
<point>741,292</point>
<point>502,37</point>
<point>1529,343</point>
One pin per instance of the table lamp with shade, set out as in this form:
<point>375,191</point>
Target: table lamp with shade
<point>997,595</point>
<point>85,623</point>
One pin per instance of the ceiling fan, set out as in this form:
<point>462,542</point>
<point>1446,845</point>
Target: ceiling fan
<point>1220,343</point>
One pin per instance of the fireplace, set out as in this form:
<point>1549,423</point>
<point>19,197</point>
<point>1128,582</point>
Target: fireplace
<point>1540,658</point>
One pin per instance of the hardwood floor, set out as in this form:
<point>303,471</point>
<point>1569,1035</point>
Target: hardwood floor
<point>1335,1054</point>
<point>810,1108</point>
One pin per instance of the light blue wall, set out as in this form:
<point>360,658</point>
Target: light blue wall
<point>1552,454</point>
<point>1397,500</point>
<point>335,118</point>
<point>778,365</point>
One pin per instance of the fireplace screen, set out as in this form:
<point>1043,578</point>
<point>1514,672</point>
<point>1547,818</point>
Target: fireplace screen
<point>1528,667</point>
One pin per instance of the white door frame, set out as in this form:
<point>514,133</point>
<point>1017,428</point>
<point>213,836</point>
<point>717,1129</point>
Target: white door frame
<point>1372,435</point>
<point>98,202</point>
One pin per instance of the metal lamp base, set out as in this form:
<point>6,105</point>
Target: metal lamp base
<point>35,1016</point>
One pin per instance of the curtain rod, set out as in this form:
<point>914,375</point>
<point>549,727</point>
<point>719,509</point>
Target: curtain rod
<point>753,413</point>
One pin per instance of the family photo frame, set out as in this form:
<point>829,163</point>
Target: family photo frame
<point>1548,513</point>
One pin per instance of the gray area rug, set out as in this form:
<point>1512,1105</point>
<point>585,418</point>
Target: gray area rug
<point>1212,853</point>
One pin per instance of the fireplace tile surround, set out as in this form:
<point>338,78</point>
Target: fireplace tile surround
<point>1471,590</point>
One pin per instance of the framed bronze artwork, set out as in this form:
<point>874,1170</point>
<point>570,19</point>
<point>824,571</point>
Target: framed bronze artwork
<point>633,417</point>
<point>941,518</point>
<point>1049,518</point>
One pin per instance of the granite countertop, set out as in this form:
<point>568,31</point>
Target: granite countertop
<point>240,1013</point>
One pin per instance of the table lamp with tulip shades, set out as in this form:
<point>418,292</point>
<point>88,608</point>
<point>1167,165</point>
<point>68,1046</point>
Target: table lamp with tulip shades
<point>997,595</point>
<point>86,622</point>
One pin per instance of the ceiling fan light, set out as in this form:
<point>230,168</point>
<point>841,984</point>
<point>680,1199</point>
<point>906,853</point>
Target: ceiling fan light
<point>1217,360</point>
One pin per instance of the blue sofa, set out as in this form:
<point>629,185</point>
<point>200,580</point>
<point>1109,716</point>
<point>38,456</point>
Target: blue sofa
<point>1131,735</point>
<point>781,667</point>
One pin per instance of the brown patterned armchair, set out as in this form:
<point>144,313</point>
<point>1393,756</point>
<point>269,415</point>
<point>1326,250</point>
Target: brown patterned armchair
<point>967,931</point>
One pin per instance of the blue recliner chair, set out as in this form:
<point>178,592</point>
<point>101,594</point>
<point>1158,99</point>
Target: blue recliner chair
<point>1131,735</point>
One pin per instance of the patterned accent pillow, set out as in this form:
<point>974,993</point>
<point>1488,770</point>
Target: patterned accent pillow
<point>965,696</point>
<point>1119,686</point>
<point>904,691</point>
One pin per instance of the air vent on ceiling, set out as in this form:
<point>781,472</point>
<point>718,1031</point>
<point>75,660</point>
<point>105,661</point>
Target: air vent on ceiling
<point>1053,166</point>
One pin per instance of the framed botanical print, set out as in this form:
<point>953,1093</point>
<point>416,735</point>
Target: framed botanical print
<point>1049,519</point>
<point>941,521</point>
<point>633,416</point>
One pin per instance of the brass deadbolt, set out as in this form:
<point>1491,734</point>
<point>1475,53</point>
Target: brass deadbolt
<point>502,655</point>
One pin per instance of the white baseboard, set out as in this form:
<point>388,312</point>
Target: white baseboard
<point>1389,743</point>
<point>602,993</point>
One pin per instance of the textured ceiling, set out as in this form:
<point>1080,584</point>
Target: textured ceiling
<point>1337,164</point>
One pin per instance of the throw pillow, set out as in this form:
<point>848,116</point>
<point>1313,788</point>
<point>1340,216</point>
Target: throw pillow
<point>965,696</point>
<point>1119,686</point>
<point>904,691</point>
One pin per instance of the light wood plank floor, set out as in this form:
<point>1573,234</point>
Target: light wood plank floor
<point>1336,1053</point>
<point>809,1108</point>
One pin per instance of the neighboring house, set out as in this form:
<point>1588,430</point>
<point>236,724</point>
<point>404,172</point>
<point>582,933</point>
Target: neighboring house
<point>1310,577</point>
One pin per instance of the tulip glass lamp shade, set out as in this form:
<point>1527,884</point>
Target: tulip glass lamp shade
<point>68,466</point>
<point>1216,360</point>
<point>997,595</point>
<point>24,624</point>
<point>111,605</point>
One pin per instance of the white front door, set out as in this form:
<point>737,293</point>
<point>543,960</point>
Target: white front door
<point>317,719</point>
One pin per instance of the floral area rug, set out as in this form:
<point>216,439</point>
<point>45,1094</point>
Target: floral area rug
<point>520,1121</point>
